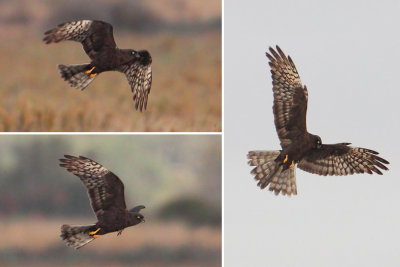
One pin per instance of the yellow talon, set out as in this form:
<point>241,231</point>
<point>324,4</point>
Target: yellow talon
<point>292,165</point>
<point>94,233</point>
<point>95,236</point>
<point>286,158</point>
<point>89,71</point>
<point>92,75</point>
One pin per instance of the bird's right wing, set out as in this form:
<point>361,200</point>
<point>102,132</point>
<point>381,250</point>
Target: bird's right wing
<point>95,36</point>
<point>290,97</point>
<point>341,159</point>
<point>139,77</point>
<point>105,189</point>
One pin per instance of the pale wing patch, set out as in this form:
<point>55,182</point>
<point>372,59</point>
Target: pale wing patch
<point>356,160</point>
<point>74,30</point>
<point>139,78</point>
<point>285,81</point>
<point>90,172</point>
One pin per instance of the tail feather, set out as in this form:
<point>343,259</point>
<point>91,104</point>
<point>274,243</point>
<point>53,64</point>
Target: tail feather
<point>75,75</point>
<point>268,172</point>
<point>76,236</point>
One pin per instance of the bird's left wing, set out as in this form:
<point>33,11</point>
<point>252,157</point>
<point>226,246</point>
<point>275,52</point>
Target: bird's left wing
<point>341,159</point>
<point>139,77</point>
<point>105,189</point>
<point>95,36</point>
<point>290,97</point>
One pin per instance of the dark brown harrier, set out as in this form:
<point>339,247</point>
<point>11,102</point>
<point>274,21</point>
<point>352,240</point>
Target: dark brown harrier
<point>106,193</point>
<point>98,42</point>
<point>277,168</point>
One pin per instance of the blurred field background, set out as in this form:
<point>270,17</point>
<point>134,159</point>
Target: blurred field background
<point>183,37</point>
<point>177,178</point>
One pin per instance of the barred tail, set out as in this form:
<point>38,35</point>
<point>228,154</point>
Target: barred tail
<point>268,172</point>
<point>77,236</point>
<point>75,75</point>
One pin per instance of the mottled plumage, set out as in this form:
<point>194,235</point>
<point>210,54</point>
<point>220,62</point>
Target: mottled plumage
<point>277,168</point>
<point>98,42</point>
<point>106,194</point>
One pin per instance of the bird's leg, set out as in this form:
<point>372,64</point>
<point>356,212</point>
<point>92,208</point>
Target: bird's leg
<point>93,233</point>
<point>120,232</point>
<point>90,72</point>
<point>286,159</point>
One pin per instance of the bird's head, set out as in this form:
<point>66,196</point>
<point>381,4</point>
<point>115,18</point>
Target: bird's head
<point>140,217</point>
<point>143,56</point>
<point>135,218</point>
<point>316,141</point>
<point>135,215</point>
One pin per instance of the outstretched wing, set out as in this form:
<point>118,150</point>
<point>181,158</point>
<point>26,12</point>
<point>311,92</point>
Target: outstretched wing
<point>95,36</point>
<point>139,77</point>
<point>105,189</point>
<point>290,97</point>
<point>341,159</point>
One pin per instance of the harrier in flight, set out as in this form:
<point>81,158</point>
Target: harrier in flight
<point>106,194</point>
<point>277,168</point>
<point>98,42</point>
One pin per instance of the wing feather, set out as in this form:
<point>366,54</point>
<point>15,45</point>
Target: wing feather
<point>105,189</point>
<point>95,36</point>
<point>139,77</point>
<point>73,30</point>
<point>290,97</point>
<point>341,159</point>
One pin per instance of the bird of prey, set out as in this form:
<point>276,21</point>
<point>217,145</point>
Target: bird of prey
<point>277,168</point>
<point>106,194</point>
<point>98,42</point>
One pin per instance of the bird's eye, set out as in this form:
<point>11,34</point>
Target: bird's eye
<point>319,144</point>
<point>133,52</point>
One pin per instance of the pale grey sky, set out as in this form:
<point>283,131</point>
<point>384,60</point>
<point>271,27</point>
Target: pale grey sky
<point>348,54</point>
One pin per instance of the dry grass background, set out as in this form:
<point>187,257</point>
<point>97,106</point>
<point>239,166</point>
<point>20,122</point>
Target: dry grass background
<point>185,95</point>
<point>186,92</point>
